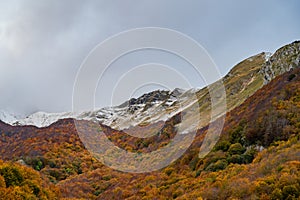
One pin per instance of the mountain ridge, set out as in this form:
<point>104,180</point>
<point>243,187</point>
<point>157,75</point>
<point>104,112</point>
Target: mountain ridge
<point>240,82</point>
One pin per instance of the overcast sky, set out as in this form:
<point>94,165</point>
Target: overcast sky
<point>43,42</point>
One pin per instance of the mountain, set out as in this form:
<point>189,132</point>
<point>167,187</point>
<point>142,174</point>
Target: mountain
<point>240,83</point>
<point>257,156</point>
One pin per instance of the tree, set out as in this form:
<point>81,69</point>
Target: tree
<point>236,148</point>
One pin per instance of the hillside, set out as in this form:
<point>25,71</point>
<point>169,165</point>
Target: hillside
<point>250,160</point>
<point>21,182</point>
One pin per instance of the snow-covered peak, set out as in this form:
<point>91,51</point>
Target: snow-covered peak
<point>8,117</point>
<point>151,107</point>
<point>43,119</point>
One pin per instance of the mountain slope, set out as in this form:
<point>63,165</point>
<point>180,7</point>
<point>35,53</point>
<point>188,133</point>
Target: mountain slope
<point>223,173</point>
<point>256,157</point>
<point>239,167</point>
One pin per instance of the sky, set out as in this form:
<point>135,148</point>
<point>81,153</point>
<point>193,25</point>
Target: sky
<point>43,43</point>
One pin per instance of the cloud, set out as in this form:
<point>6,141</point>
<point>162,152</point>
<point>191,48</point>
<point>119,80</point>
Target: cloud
<point>42,43</point>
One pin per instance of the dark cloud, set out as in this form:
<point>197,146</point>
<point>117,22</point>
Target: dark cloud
<point>42,43</point>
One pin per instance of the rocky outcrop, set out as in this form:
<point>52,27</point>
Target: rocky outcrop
<point>283,60</point>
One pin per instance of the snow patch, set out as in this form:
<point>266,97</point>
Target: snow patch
<point>268,56</point>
